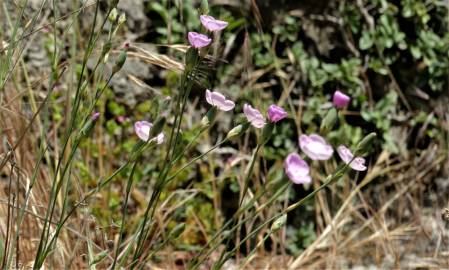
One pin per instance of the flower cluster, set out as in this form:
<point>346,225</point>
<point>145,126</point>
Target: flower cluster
<point>257,120</point>
<point>313,146</point>
<point>214,98</point>
<point>198,40</point>
<point>316,148</point>
<point>253,116</point>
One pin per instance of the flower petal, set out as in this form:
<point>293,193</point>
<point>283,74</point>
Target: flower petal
<point>297,169</point>
<point>340,100</point>
<point>160,138</point>
<point>315,147</point>
<point>358,164</point>
<point>198,40</point>
<point>346,155</point>
<point>254,116</point>
<point>212,24</point>
<point>142,129</point>
<point>219,100</point>
<point>227,105</point>
<point>276,113</point>
<point>208,97</point>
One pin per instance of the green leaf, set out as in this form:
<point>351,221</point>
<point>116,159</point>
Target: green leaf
<point>366,41</point>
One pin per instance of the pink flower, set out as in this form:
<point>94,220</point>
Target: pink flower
<point>212,24</point>
<point>276,113</point>
<point>315,147</point>
<point>254,116</point>
<point>218,100</point>
<point>297,169</point>
<point>346,155</point>
<point>340,100</point>
<point>95,116</point>
<point>142,129</point>
<point>198,40</point>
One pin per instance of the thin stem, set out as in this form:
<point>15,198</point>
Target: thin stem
<point>124,211</point>
<point>272,199</point>
<point>249,173</point>
<point>186,86</point>
<point>171,177</point>
<point>330,180</point>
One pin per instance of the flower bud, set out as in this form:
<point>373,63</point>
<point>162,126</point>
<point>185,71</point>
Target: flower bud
<point>122,19</point>
<point>120,60</point>
<point>365,143</point>
<point>237,131</point>
<point>276,113</point>
<point>158,126</point>
<point>329,121</point>
<point>113,15</point>
<point>95,116</point>
<point>267,132</point>
<point>340,100</point>
<point>279,223</point>
<point>204,9</point>
<point>209,117</point>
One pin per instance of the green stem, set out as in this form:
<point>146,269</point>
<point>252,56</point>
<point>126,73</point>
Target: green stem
<point>272,199</point>
<point>290,208</point>
<point>186,86</point>
<point>125,206</point>
<point>171,177</point>
<point>250,171</point>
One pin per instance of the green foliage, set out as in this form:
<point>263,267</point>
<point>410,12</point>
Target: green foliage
<point>411,31</point>
<point>298,238</point>
<point>381,117</point>
<point>288,29</point>
<point>177,16</point>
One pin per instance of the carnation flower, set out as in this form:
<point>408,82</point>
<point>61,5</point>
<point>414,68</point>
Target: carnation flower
<point>315,147</point>
<point>198,40</point>
<point>340,100</point>
<point>297,169</point>
<point>218,100</point>
<point>212,24</point>
<point>347,156</point>
<point>276,113</point>
<point>142,129</point>
<point>254,116</point>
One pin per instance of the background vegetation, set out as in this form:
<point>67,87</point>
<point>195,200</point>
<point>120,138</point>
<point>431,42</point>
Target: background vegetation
<point>391,57</point>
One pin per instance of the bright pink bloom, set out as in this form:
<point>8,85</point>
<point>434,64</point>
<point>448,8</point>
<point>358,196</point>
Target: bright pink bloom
<point>198,40</point>
<point>212,24</point>
<point>218,100</point>
<point>95,116</point>
<point>297,169</point>
<point>276,113</point>
<point>346,155</point>
<point>315,147</point>
<point>142,129</point>
<point>340,100</point>
<point>254,116</point>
